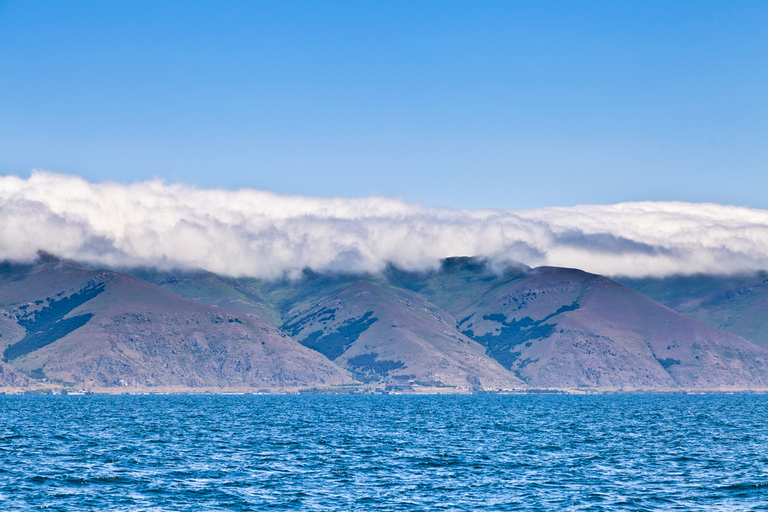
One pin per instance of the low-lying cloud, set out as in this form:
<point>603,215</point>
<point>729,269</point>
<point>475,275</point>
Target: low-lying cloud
<point>255,233</point>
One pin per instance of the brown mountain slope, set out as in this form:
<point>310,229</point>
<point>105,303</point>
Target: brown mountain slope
<point>737,304</point>
<point>237,295</point>
<point>567,328</point>
<point>464,325</point>
<point>385,333</point>
<point>104,328</point>
<point>10,377</point>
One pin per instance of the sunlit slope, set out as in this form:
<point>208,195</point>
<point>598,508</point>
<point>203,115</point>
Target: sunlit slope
<point>9,376</point>
<point>567,328</point>
<point>465,325</point>
<point>736,304</point>
<point>380,332</point>
<point>105,328</point>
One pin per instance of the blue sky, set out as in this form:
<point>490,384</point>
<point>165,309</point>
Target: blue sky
<point>464,104</point>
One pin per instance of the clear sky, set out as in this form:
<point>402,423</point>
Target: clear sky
<point>509,104</point>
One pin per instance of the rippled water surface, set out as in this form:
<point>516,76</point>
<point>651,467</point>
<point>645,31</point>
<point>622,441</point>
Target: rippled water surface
<point>644,452</point>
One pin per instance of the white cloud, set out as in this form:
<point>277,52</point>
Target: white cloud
<point>250,232</point>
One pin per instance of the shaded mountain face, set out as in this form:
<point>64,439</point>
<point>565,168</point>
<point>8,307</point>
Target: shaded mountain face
<point>736,304</point>
<point>239,295</point>
<point>67,323</point>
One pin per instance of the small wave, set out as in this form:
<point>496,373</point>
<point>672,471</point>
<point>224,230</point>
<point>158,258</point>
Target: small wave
<point>258,459</point>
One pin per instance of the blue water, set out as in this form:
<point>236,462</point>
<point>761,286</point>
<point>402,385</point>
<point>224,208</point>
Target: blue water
<point>646,452</point>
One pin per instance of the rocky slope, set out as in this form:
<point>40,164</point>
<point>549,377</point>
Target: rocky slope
<point>736,304</point>
<point>547,327</point>
<point>379,332</point>
<point>64,322</point>
<point>10,377</point>
<point>463,326</point>
<point>567,328</point>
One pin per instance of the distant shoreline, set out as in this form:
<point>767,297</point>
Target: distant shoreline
<point>350,390</point>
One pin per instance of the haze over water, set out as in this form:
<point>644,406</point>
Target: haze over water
<point>537,452</point>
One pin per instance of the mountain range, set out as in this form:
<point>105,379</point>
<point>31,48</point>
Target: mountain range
<point>465,326</point>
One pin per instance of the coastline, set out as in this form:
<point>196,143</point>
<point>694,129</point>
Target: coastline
<point>363,390</point>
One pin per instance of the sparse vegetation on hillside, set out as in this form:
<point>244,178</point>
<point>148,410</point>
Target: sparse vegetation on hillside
<point>46,325</point>
<point>323,315</point>
<point>367,368</point>
<point>333,344</point>
<point>513,333</point>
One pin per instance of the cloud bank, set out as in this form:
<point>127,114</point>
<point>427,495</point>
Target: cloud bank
<point>262,234</point>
